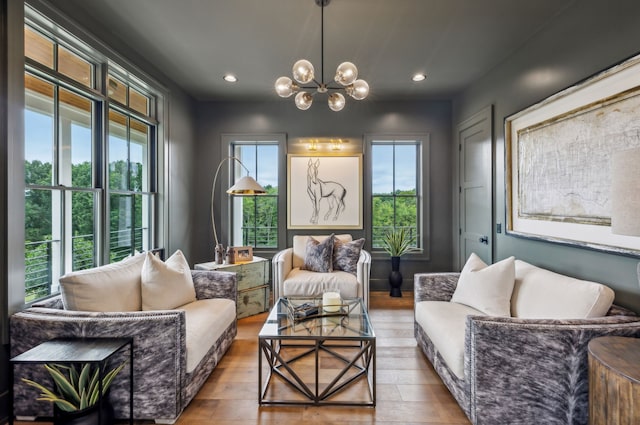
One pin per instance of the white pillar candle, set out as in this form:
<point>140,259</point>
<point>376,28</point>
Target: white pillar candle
<point>331,302</point>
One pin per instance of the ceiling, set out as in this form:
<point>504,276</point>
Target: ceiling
<point>196,42</point>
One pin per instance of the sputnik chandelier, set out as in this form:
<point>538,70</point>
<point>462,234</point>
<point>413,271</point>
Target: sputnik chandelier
<point>304,74</point>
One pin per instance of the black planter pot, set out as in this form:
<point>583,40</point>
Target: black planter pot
<point>395,278</point>
<point>88,416</point>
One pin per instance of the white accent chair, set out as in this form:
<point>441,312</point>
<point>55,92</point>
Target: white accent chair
<point>290,280</point>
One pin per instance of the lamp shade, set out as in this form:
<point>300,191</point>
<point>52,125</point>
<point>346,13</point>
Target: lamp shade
<point>246,186</point>
<point>625,192</point>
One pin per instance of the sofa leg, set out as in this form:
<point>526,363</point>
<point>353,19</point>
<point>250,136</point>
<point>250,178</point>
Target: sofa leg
<point>166,421</point>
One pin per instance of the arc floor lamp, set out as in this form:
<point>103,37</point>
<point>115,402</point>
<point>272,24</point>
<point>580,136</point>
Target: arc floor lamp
<point>245,186</point>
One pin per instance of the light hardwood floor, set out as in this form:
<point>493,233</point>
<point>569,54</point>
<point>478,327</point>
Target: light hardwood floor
<point>408,389</point>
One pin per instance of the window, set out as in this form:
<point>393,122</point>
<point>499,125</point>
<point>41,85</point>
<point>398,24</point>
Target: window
<point>60,196</point>
<point>90,194</point>
<point>129,182</point>
<point>254,219</point>
<point>396,172</point>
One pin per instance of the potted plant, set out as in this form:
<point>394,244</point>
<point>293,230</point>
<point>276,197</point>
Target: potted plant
<point>397,242</point>
<point>76,392</point>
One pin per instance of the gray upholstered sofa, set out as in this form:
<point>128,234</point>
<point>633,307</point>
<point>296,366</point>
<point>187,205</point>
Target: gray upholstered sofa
<point>174,350</point>
<point>514,370</point>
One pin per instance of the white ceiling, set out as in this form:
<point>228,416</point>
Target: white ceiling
<point>195,42</point>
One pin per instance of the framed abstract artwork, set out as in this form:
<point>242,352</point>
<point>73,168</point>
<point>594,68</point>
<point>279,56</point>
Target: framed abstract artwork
<point>324,191</point>
<point>558,160</point>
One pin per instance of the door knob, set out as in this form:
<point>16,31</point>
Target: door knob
<point>484,240</point>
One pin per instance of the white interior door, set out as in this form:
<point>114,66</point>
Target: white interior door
<point>475,167</point>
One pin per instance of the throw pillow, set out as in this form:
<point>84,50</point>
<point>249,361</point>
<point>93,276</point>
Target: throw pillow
<point>346,255</point>
<point>319,255</point>
<point>166,285</point>
<point>112,287</point>
<point>486,288</point>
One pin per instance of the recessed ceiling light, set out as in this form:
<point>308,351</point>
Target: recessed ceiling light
<point>419,77</point>
<point>229,78</point>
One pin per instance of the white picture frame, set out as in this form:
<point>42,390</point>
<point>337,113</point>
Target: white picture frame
<point>558,160</point>
<point>324,191</point>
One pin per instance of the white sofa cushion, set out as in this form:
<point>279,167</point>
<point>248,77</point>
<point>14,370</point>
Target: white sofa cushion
<point>307,283</point>
<point>300,246</point>
<point>486,288</point>
<point>543,294</point>
<point>112,287</point>
<point>205,320</point>
<point>444,323</point>
<point>166,284</point>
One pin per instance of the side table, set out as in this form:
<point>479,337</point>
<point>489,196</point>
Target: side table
<point>614,380</point>
<point>253,284</point>
<point>76,350</point>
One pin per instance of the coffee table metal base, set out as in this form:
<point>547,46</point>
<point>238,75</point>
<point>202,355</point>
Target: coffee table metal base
<point>359,365</point>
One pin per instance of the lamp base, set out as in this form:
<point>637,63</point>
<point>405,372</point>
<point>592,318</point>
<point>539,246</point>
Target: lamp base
<point>219,254</point>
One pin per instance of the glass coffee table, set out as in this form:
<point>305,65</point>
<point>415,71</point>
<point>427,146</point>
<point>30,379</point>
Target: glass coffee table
<point>327,358</point>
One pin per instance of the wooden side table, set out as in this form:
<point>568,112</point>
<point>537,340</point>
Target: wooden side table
<point>614,381</point>
<point>253,284</point>
<point>76,350</point>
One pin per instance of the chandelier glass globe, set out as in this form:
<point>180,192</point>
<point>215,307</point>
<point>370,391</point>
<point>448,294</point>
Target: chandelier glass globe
<point>336,102</point>
<point>358,90</point>
<point>285,87</point>
<point>303,71</point>
<point>346,73</point>
<point>304,100</point>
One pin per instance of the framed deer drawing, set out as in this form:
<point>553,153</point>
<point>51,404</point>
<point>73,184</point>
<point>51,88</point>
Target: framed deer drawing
<point>324,191</point>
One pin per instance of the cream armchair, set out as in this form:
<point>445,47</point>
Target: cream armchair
<point>290,280</point>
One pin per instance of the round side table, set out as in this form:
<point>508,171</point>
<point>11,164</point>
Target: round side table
<point>614,381</point>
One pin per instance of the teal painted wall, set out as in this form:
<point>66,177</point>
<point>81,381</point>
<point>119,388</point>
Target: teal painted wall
<point>587,37</point>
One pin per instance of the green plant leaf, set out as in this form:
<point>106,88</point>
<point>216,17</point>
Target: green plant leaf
<point>64,405</point>
<point>75,390</point>
<point>108,379</point>
<point>84,399</point>
<point>83,379</point>
<point>73,376</point>
<point>68,392</point>
<point>397,242</point>
<point>46,392</point>
<point>93,390</point>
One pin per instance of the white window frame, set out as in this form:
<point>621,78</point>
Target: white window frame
<point>46,20</point>
<point>230,218</point>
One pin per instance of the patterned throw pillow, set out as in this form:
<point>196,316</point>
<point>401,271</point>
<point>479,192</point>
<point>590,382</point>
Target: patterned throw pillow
<point>319,255</point>
<point>346,255</point>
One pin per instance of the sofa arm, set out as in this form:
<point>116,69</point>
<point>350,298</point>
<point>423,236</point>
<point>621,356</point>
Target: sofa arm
<point>533,370</point>
<point>159,350</point>
<point>282,264</point>
<point>363,272</point>
<point>215,284</point>
<point>434,286</point>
